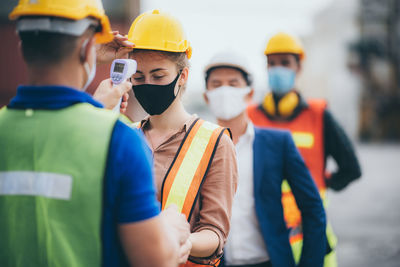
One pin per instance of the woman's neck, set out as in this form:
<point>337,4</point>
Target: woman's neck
<point>238,126</point>
<point>171,119</point>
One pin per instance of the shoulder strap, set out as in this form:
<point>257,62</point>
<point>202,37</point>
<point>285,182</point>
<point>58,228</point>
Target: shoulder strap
<point>186,174</point>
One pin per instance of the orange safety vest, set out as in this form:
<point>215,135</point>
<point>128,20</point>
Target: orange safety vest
<point>307,131</point>
<point>183,180</point>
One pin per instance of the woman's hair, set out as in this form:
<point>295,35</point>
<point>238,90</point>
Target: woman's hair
<point>179,58</point>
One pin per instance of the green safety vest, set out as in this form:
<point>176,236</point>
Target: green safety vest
<point>52,165</point>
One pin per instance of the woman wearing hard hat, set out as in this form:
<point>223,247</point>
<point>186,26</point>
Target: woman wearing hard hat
<point>194,160</point>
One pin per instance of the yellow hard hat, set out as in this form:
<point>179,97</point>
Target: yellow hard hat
<point>67,9</point>
<point>155,30</point>
<point>284,43</point>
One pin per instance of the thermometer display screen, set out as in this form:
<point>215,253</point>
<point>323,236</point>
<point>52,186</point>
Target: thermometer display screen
<point>119,67</point>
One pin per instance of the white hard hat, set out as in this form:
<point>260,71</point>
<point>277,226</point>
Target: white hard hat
<point>228,59</point>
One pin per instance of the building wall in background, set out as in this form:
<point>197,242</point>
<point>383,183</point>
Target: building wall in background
<point>325,73</point>
<point>12,68</point>
<point>377,60</point>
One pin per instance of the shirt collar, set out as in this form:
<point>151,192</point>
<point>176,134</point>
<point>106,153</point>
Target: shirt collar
<point>250,129</point>
<point>49,97</point>
<point>249,134</point>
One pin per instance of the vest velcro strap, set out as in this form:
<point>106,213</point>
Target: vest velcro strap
<point>190,166</point>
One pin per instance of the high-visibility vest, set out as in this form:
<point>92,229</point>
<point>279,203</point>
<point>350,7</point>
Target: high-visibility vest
<point>52,165</point>
<point>186,174</point>
<point>183,180</point>
<point>307,131</point>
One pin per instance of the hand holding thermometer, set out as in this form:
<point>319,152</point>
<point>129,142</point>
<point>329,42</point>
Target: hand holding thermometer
<point>121,70</point>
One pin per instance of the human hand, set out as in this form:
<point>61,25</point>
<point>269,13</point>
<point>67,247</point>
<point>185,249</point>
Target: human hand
<point>124,103</point>
<point>117,48</point>
<point>184,251</point>
<point>177,223</point>
<point>109,95</point>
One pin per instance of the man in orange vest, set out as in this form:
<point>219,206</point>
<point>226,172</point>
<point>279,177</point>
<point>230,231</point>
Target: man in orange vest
<point>315,132</point>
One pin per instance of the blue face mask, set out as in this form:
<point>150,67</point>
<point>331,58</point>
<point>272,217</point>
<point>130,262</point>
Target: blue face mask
<point>281,79</point>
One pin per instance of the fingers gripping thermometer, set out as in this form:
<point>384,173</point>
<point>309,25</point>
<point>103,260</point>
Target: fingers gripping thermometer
<point>121,70</point>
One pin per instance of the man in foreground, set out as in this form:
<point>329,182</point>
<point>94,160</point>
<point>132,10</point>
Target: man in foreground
<point>76,185</point>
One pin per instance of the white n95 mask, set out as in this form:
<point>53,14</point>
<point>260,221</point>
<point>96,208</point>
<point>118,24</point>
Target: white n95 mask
<point>90,73</point>
<point>227,102</point>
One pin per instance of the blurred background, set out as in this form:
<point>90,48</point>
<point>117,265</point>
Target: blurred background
<point>352,60</point>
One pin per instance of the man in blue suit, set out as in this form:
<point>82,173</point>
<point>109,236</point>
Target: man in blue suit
<point>259,236</point>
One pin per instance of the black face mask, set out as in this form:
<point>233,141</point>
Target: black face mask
<point>155,99</point>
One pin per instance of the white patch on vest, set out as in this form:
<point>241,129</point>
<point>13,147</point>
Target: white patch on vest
<point>30,183</point>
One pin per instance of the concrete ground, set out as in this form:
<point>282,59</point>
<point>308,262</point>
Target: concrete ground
<point>366,215</point>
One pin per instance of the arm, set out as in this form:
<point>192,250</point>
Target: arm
<point>309,203</point>
<point>106,53</point>
<point>338,145</point>
<point>211,229</point>
<point>204,243</point>
<point>117,48</point>
<point>109,96</point>
<point>147,238</point>
<point>145,243</point>
<point>166,237</point>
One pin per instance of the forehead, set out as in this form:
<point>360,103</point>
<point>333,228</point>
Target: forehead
<point>225,73</point>
<point>281,57</point>
<point>148,60</point>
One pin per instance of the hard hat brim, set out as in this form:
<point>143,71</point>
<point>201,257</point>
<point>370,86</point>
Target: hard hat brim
<point>104,36</point>
<point>55,24</point>
<point>225,65</point>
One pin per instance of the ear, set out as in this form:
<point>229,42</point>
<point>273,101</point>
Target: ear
<point>299,67</point>
<point>184,76</point>
<point>249,96</point>
<point>205,97</point>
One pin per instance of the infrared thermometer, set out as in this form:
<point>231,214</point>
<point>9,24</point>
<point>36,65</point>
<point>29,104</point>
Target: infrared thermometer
<point>121,70</point>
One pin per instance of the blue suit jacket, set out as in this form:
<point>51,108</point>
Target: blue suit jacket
<point>276,158</point>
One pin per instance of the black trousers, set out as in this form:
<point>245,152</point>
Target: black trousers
<point>263,264</point>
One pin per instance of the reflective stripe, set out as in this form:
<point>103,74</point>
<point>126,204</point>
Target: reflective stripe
<point>190,162</point>
<point>50,185</point>
<point>303,139</point>
<point>286,187</point>
<point>290,210</point>
<point>189,168</point>
<point>174,168</point>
